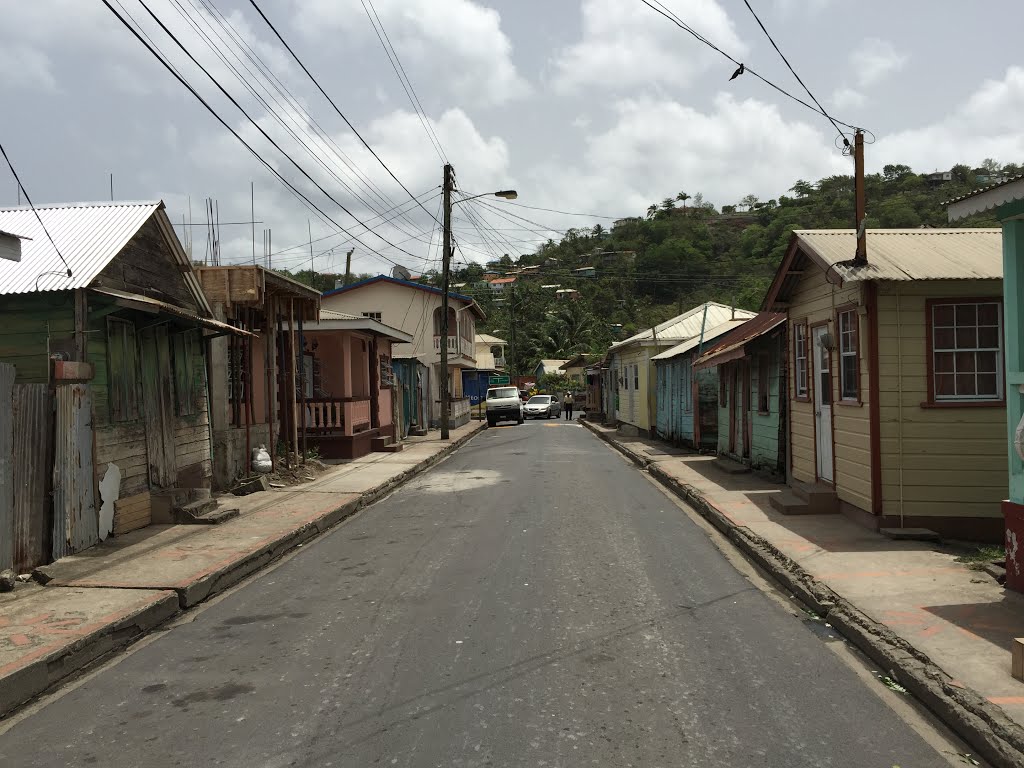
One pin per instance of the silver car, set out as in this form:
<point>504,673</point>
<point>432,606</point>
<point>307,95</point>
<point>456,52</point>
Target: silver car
<point>543,407</point>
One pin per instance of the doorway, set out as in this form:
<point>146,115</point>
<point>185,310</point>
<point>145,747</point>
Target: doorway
<point>821,343</point>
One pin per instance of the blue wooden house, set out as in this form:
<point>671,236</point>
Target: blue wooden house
<point>751,392</point>
<point>686,412</point>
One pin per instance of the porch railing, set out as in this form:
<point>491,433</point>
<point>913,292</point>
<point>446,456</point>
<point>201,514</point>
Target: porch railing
<point>335,415</point>
<point>456,345</point>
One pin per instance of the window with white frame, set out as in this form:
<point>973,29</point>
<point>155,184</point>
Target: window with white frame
<point>967,350</point>
<point>373,315</point>
<point>800,359</point>
<point>849,368</point>
<point>636,377</point>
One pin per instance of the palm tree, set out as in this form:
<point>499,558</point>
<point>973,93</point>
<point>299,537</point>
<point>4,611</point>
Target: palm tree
<point>651,211</point>
<point>683,197</point>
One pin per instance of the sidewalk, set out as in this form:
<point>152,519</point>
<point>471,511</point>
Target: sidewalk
<point>938,628</point>
<point>106,596</point>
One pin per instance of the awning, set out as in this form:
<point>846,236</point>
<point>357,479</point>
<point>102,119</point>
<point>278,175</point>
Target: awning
<point>155,306</point>
<point>732,346</point>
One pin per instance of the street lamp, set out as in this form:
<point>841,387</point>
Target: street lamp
<point>447,188</point>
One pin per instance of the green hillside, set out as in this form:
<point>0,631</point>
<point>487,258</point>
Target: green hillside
<point>681,252</point>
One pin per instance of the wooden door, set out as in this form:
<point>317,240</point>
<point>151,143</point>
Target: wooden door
<point>822,402</point>
<point>158,405</point>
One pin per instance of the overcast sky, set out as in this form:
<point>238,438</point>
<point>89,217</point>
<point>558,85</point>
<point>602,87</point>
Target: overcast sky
<point>593,106</point>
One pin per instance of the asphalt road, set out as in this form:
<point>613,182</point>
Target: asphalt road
<point>532,601</point>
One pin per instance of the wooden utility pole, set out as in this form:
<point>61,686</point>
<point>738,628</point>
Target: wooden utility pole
<point>445,277</point>
<point>861,256</point>
<point>348,266</point>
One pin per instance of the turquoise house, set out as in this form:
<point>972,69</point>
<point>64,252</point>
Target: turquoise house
<point>751,393</point>
<point>686,411</point>
<point>1007,201</point>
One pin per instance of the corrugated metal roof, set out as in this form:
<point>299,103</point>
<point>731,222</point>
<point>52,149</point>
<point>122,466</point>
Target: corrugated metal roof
<point>909,254</point>
<point>486,338</point>
<point>330,314</point>
<point>986,198</point>
<point>709,335</point>
<point>155,305</point>
<point>89,235</point>
<point>737,339</point>
<point>688,324</point>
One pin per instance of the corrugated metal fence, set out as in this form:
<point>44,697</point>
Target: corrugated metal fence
<point>75,524</point>
<point>32,416</point>
<point>7,374</point>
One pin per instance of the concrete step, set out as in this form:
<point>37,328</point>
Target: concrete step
<point>788,504</point>
<point>731,467</point>
<point>393,448</point>
<point>215,517</point>
<point>379,443</point>
<point>909,534</point>
<point>418,432</point>
<point>820,498</point>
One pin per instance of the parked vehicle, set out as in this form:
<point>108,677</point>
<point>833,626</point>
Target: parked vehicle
<point>503,404</point>
<point>543,406</point>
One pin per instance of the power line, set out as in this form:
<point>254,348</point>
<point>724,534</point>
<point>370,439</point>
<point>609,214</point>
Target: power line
<point>299,194</point>
<point>331,101</point>
<point>261,130</point>
<point>410,91</point>
<point>671,16</point>
<point>563,213</point>
<point>33,207</point>
<point>790,66</point>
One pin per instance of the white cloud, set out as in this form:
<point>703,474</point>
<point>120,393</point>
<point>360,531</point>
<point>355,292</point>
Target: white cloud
<point>874,60</point>
<point>453,43</point>
<point>847,98</point>
<point>659,147</point>
<point>625,45</point>
<point>788,7</point>
<point>986,125</point>
<point>25,68</point>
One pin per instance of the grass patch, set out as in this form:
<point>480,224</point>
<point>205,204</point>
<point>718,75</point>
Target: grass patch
<point>982,556</point>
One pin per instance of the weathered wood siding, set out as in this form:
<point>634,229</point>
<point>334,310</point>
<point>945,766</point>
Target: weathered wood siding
<point>27,324</point>
<point>953,459</point>
<point>147,266</point>
<point>634,407</point>
<point>765,449</point>
<point>814,301</point>
<point>675,399</point>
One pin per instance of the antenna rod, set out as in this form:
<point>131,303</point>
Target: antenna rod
<point>111,187</point>
<point>252,218</point>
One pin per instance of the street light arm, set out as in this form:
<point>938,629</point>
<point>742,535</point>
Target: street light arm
<point>507,194</point>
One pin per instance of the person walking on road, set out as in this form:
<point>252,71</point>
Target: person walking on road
<point>567,405</point>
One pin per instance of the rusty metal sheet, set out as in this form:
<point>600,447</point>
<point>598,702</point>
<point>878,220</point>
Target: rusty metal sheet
<point>32,416</point>
<point>7,374</point>
<point>75,521</point>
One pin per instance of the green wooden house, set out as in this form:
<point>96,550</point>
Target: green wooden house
<point>751,392</point>
<point>104,324</point>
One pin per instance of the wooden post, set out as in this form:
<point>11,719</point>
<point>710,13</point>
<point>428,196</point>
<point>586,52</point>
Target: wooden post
<point>282,385</point>
<point>302,382</point>
<point>250,322</point>
<point>861,255</point>
<point>81,325</point>
<point>1017,658</point>
<point>271,374</point>
<point>292,383</point>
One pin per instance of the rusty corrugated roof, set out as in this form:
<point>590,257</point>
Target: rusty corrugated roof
<point>88,235</point>
<point>909,254</point>
<point>738,338</point>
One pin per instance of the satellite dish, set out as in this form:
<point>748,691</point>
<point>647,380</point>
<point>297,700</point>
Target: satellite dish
<point>401,273</point>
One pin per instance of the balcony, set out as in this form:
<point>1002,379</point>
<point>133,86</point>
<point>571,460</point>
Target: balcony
<point>499,362</point>
<point>456,346</point>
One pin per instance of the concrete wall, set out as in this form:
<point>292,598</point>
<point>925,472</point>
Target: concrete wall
<point>229,456</point>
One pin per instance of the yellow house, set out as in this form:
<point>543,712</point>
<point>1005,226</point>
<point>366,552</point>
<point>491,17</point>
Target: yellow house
<point>895,376</point>
<point>631,371</point>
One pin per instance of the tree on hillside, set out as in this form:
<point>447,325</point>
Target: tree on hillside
<point>683,197</point>
<point>895,172</point>
<point>668,204</point>
<point>749,202</point>
<point>651,211</point>
<point>802,188</point>
<point>991,167</point>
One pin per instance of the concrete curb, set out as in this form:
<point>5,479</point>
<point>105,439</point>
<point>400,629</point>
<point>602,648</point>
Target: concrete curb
<point>48,671</point>
<point>979,722</point>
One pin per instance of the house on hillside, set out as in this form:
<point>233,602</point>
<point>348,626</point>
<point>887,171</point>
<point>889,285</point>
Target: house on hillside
<point>897,398</point>
<point>251,395</point>
<point>750,392</point>
<point>415,308</point>
<point>585,272</point>
<point>501,284</point>
<point>687,400</point>
<point>570,294</point>
<point>103,361</point>
<point>631,379</point>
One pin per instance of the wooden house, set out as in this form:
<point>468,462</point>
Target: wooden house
<point>106,329</point>
<point>750,392</point>
<point>686,410</point>
<point>631,376</point>
<point>897,400</point>
<point>252,391</point>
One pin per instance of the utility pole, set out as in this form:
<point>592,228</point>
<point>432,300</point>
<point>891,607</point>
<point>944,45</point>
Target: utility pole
<point>445,277</point>
<point>348,266</point>
<point>861,256</point>
<point>510,363</point>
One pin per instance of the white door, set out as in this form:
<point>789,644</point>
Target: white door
<point>822,402</point>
